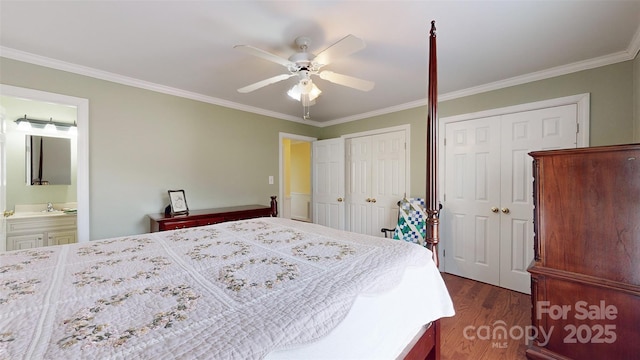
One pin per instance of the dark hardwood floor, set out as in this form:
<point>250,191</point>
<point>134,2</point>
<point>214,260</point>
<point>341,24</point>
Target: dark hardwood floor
<point>479,309</point>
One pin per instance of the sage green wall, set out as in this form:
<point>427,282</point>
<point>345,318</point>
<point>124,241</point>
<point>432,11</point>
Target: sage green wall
<point>612,110</point>
<point>143,143</point>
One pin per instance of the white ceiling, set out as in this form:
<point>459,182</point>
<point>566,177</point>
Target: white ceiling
<point>186,47</point>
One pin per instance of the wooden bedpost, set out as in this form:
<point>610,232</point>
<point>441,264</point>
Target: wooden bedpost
<point>433,204</point>
<point>274,206</point>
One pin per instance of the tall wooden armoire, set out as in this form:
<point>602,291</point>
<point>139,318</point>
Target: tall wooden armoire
<point>585,279</point>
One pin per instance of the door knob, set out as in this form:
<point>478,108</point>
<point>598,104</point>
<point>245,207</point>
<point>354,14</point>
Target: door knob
<point>373,200</point>
<point>368,200</point>
<point>505,210</point>
<point>339,199</point>
<point>494,209</point>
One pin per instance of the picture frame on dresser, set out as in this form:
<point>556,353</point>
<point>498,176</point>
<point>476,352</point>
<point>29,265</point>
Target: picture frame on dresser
<point>178,202</point>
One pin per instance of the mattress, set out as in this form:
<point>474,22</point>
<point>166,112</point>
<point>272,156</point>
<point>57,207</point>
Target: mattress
<point>379,326</point>
<point>239,290</point>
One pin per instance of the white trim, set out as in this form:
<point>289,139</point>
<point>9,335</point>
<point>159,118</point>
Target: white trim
<point>125,80</point>
<point>82,108</point>
<point>404,127</point>
<point>625,55</point>
<point>610,59</point>
<point>582,100</point>
<point>3,179</point>
<point>540,75</point>
<point>634,45</point>
<point>282,136</point>
<point>388,110</point>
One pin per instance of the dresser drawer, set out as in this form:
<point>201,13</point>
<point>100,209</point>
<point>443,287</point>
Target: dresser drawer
<point>179,224</point>
<point>211,221</point>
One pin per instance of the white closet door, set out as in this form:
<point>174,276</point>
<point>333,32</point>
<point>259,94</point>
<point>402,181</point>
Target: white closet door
<point>375,181</point>
<point>487,220</point>
<point>470,228</point>
<point>358,184</point>
<point>388,179</point>
<point>545,129</point>
<point>328,183</point>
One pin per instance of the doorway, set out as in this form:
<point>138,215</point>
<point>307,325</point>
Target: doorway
<point>295,177</point>
<point>81,107</point>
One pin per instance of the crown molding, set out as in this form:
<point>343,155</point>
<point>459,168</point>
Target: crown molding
<point>629,54</point>
<point>541,75</point>
<point>634,45</point>
<point>124,80</point>
<point>387,110</point>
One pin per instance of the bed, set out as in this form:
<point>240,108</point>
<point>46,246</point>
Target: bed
<point>267,288</point>
<point>248,289</point>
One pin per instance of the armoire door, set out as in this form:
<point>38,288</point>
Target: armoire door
<point>487,220</point>
<point>375,181</point>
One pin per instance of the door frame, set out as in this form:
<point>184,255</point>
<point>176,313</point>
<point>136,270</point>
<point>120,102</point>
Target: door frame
<point>282,136</point>
<point>3,182</point>
<point>582,102</point>
<point>82,138</point>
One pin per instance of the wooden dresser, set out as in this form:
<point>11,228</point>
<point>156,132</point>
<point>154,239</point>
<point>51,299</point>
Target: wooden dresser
<point>162,222</point>
<point>585,279</point>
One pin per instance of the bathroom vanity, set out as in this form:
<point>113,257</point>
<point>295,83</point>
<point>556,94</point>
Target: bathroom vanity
<point>29,227</point>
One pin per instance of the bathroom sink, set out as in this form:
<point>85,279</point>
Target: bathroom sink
<point>26,214</point>
<point>40,210</point>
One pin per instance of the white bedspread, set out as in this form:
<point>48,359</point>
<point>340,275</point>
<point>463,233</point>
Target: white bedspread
<point>234,290</point>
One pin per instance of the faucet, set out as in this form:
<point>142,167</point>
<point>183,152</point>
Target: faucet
<point>49,207</point>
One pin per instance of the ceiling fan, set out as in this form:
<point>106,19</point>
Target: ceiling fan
<point>304,64</point>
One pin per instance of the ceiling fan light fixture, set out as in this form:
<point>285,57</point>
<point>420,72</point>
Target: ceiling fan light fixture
<point>314,92</point>
<point>307,88</point>
<point>295,93</point>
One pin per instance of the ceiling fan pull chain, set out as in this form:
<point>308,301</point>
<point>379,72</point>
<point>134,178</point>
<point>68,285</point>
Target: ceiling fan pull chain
<point>305,108</point>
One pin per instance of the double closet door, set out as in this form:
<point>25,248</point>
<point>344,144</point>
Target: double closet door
<point>358,181</point>
<point>375,180</point>
<point>487,219</point>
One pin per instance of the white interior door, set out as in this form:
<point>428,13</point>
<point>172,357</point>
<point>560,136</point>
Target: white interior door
<point>488,214</point>
<point>328,183</point>
<point>470,227</point>
<point>545,129</point>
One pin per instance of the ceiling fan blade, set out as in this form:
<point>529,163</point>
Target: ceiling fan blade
<point>264,54</point>
<point>344,47</point>
<point>345,80</point>
<point>265,82</point>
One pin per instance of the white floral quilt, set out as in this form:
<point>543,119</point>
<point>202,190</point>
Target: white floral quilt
<point>233,290</point>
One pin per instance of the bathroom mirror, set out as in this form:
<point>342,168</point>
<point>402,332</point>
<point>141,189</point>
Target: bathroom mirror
<point>48,160</point>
